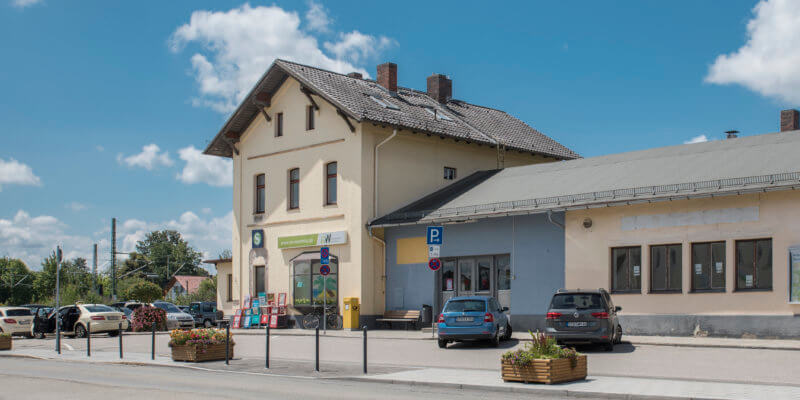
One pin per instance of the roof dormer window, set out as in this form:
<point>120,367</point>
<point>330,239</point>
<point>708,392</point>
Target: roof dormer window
<point>384,103</point>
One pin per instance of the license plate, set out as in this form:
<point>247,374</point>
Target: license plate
<point>463,319</point>
<point>577,324</point>
<point>24,322</point>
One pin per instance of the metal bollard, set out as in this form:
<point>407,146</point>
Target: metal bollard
<point>88,339</point>
<point>58,333</point>
<point>365,349</point>
<point>227,344</point>
<point>266,357</point>
<point>153,344</point>
<point>120,340</point>
<point>317,351</point>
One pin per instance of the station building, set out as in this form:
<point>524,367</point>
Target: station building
<point>699,239</point>
<point>317,155</point>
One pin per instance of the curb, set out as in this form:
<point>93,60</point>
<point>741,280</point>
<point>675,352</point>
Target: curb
<point>526,390</point>
<point>716,346</point>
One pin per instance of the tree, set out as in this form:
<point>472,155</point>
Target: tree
<point>75,280</point>
<point>225,254</point>
<point>163,253</point>
<point>16,281</point>
<point>143,291</point>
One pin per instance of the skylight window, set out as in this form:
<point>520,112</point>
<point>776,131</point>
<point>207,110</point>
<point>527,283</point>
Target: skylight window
<point>384,103</point>
<point>440,116</point>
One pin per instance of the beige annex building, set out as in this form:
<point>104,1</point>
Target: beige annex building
<point>318,154</point>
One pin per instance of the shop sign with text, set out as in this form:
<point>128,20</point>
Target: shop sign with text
<point>313,239</point>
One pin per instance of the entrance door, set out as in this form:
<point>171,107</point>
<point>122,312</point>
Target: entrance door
<point>483,276</point>
<point>466,276</point>
<point>503,281</point>
<point>448,282</point>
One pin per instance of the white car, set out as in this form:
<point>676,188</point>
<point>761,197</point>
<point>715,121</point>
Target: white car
<point>176,318</point>
<point>16,320</point>
<point>103,319</point>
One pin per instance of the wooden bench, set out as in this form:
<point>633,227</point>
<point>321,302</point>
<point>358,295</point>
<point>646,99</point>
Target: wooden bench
<point>404,316</point>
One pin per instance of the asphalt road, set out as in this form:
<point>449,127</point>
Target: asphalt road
<point>22,378</point>
<point>716,364</point>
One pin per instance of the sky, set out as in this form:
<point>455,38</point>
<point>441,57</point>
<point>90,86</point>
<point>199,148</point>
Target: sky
<point>105,107</point>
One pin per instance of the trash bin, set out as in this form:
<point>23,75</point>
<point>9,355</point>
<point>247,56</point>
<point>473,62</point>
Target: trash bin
<point>426,315</point>
<point>351,313</point>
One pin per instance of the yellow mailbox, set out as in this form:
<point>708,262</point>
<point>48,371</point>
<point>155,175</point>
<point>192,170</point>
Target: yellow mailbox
<point>351,313</point>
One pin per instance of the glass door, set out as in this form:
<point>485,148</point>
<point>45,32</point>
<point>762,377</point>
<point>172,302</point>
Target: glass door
<point>447,289</point>
<point>483,276</point>
<point>503,282</point>
<point>466,277</point>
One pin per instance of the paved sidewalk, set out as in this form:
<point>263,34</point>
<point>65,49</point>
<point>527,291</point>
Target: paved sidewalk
<point>687,341</point>
<point>594,386</point>
<point>616,387</point>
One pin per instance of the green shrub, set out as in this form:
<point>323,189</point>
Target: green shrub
<point>145,316</point>
<point>540,347</point>
<point>143,291</point>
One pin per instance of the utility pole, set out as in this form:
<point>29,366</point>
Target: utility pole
<point>58,299</point>
<point>94,269</point>
<point>114,258</point>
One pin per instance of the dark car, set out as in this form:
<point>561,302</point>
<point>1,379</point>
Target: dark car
<point>205,313</point>
<point>584,316</point>
<point>42,323</point>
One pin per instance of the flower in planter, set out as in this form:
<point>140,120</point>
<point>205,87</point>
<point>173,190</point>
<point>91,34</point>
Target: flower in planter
<point>540,347</point>
<point>200,338</point>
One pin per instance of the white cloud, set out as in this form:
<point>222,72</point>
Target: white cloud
<point>151,157</point>
<point>15,172</point>
<point>697,139</point>
<point>769,62</point>
<point>25,3</point>
<point>31,239</point>
<point>200,168</point>
<point>238,45</point>
<point>317,17</point>
<point>100,148</point>
<point>357,46</point>
<point>206,210</point>
<point>75,206</point>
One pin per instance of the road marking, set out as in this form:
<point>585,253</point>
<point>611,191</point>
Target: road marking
<point>70,348</point>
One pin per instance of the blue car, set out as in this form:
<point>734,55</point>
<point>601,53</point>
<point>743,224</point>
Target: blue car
<point>473,318</point>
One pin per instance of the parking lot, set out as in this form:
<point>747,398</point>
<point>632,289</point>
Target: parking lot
<point>689,363</point>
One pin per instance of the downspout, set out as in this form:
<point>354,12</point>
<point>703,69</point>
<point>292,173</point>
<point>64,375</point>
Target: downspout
<point>375,169</point>
<point>550,219</point>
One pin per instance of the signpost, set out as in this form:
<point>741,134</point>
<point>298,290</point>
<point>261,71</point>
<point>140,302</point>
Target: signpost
<point>324,270</point>
<point>434,250</point>
<point>435,238</point>
<point>434,264</point>
<point>435,235</point>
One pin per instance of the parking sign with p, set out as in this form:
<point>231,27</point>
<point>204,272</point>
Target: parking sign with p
<point>435,235</point>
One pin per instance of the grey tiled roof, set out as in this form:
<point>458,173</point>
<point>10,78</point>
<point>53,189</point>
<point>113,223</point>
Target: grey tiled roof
<point>415,111</point>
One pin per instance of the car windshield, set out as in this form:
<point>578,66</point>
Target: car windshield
<point>18,312</point>
<point>465,306</point>
<point>578,301</point>
<point>168,307</point>
<point>99,308</point>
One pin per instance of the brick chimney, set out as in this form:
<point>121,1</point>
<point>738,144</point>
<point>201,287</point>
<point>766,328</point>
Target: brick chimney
<point>440,88</point>
<point>790,120</point>
<point>387,76</point>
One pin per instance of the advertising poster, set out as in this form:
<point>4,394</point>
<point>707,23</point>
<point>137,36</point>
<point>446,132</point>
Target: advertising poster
<point>794,275</point>
<point>247,320</point>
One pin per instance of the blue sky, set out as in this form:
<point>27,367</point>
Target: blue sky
<point>104,105</point>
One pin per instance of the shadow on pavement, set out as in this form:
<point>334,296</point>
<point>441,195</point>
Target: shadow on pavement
<point>622,348</point>
<point>480,345</point>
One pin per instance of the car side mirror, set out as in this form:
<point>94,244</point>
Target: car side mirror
<point>617,308</point>
<point>504,309</point>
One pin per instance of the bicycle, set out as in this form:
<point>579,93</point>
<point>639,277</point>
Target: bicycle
<point>313,319</point>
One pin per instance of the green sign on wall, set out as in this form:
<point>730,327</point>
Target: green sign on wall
<point>312,239</point>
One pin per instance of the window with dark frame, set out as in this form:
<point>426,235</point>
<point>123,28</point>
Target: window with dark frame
<point>626,269</point>
<point>309,118</point>
<point>230,287</point>
<point>754,264</point>
<point>666,268</point>
<point>260,279</point>
<point>278,124</point>
<point>330,183</point>
<point>449,173</point>
<point>294,188</point>
<point>708,266</point>
<point>260,199</point>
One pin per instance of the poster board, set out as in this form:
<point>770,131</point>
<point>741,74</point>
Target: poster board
<point>247,321</point>
<point>246,302</point>
<point>273,321</point>
<point>264,319</point>
<point>794,274</point>
<point>237,319</point>
<point>255,319</point>
<point>282,299</point>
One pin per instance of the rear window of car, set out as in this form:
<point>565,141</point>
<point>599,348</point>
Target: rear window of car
<point>99,309</point>
<point>577,301</point>
<point>18,312</point>
<point>465,306</point>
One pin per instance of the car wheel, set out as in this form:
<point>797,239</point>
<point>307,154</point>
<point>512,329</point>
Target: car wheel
<point>207,324</point>
<point>507,335</point>
<point>495,341</point>
<point>619,334</point>
<point>442,344</point>
<point>80,331</point>
<point>610,345</point>
<point>113,333</point>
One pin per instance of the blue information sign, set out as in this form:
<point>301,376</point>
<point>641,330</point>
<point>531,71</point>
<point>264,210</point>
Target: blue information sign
<point>435,235</point>
<point>325,256</point>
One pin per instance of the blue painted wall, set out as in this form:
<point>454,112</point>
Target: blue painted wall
<point>537,259</point>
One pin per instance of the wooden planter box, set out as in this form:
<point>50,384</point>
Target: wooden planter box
<point>5,342</point>
<point>194,353</point>
<point>545,371</point>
